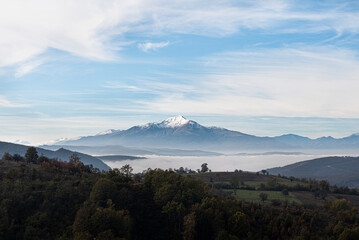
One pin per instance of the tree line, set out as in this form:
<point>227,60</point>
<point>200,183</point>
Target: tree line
<point>48,199</point>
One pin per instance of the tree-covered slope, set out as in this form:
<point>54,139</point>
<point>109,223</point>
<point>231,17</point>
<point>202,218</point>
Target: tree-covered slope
<point>55,200</point>
<point>342,171</point>
<point>61,154</point>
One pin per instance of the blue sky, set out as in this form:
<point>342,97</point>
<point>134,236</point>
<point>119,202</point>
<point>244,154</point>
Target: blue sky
<point>73,68</point>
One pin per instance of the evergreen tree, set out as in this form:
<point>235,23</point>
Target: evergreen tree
<point>31,155</point>
<point>204,167</point>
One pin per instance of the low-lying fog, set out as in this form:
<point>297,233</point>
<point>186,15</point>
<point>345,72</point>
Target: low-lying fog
<point>219,163</point>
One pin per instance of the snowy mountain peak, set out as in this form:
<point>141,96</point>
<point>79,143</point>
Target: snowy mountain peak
<point>176,121</point>
<point>106,132</point>
<point>172,122</point>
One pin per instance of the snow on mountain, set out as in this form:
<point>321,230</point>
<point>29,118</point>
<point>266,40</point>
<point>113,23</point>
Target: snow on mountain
<point>63,139</point>
<point>110,131</point>
<point>22,142</point>
<point>354,135</point>
<point>179,132</point>
<point>172,122</point>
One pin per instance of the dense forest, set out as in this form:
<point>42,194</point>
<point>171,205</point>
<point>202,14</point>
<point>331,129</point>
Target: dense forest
<point>42,198</point>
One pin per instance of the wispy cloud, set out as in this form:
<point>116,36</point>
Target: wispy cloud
<point>41,130</point>
<point>89,29</point>
<point>296,82</point>
<point>27,67</point>
<point>4,102</point>
<point>149,46</point>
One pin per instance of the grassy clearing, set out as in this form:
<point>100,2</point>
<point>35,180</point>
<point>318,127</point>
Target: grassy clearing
<point>253,196</point>
<point>288,182</point>
<point>257,184</point>
<point>248,179</point>
<point>281,181</point>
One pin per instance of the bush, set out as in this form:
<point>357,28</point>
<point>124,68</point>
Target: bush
<point>276,202</point>
<point>285,192</point>
<point>263,196</point>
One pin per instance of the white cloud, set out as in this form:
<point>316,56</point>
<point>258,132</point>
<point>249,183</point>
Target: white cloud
<point>148,46</point>
<point>4,102</point>
<point>42,130</point>
<point>18,141</point>
<point>26,68</point>
<point>87,28</point>
<point>291,82</point>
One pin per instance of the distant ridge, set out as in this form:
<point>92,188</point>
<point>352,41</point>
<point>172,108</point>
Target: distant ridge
<point>342,171</point>
<point>121,150</point>
<point>61,154</point>
<point>180,133</point>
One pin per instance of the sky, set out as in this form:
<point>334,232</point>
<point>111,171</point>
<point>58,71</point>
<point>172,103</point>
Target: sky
<point>75,68</point>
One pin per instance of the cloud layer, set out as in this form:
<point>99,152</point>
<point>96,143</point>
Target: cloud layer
<point>292,82</point>
<point>96,29</point>
<point>5,103</point>
<point>226,59</point>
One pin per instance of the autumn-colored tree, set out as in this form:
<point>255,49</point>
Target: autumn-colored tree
<point>74,158</point>
<point>45,165</point>
<point>239,224</point>
<point>6,156</point>
<point>324,185</point>
<point>189,227</point>
<point>349,234</point>
<point>163,205</point>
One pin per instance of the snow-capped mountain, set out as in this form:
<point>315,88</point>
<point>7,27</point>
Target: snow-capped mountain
<point>172,122</point>
<point>110,131</point>
<point>174,132</point>
<point>181,133</point>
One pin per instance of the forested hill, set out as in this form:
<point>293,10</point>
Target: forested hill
<point>341,171</point>
<point>55,200</point>
<point>61,154</point>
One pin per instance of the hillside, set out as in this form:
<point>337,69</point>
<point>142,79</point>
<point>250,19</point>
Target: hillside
<point>39,201</point>
<point>248,186</point>
<point>61,154</point>
<point>342,171</point>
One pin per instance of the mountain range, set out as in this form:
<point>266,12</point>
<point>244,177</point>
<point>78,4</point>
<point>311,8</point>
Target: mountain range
<point>179,133</point>
<point>121,150</point>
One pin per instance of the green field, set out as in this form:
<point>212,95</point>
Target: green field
<point>280,181</point>
<point>248,179</point>
<point>253,196</point>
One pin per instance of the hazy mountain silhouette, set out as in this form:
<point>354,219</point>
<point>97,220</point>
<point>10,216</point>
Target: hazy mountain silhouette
<point>180,133</point>
<point>61,154</point>
<point>342,171</point>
